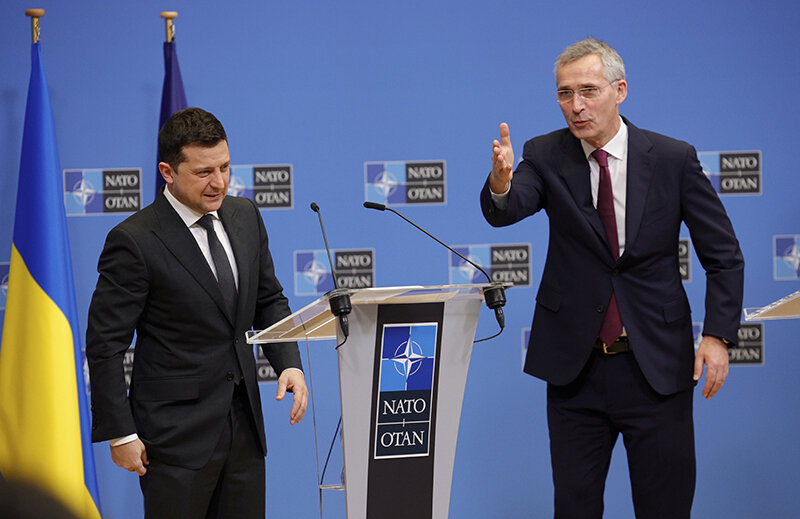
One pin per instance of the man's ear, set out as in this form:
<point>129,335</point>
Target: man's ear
<point>622,91</point>
<point>166,171</point>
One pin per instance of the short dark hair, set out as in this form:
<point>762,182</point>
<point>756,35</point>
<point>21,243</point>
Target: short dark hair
<point>188,126</point>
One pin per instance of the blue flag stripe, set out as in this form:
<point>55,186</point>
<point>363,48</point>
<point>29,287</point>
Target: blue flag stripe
<point>173,96</point>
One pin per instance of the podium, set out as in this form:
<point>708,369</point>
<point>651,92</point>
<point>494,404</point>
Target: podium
<point>402,374</point>
<point>787,307</point>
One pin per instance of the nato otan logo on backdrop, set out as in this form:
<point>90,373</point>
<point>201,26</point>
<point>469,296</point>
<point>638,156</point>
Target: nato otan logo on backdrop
<point>355,268</point>
<point>684,259</point>
<point>733,172</point>
<point>4,269</point>
<point>100,191</point>
<point>270,186</point>
<point>405,183</point>
<point>405,386</point>
<point>786,253</point>
<point>749,349</point>
<point>505,263</point>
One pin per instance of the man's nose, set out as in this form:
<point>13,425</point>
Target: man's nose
<point>217,179</point>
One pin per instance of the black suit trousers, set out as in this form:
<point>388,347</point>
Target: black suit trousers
<point>610,397</point>
<point>231,484</point>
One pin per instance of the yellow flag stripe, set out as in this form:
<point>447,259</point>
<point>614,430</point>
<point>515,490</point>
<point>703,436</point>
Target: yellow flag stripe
<point>40,431</point>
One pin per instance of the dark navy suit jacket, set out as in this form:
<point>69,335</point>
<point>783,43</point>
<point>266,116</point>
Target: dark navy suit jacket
<point>665,187</point>
<point>154,279</point>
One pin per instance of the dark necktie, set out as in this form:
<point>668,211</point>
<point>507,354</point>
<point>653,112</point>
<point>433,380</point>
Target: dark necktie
<point>224,273</point>
<point>612,322</point>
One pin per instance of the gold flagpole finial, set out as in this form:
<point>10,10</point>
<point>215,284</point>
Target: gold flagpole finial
<point>168,16</point>
<point>35,14</point>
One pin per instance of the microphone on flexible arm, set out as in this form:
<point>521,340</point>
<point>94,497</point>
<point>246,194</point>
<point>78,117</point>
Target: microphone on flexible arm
<point>338,298</point>
<point>494,294</point>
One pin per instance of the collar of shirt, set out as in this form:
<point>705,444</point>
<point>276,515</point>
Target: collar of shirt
<point>188,216</point>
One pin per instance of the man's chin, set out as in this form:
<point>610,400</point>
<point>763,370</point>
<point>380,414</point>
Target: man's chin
<point>580,131</point>
<point>213,204</point>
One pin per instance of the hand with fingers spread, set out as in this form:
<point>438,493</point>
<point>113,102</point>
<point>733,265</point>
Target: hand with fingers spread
<point>294,381</point>
<point>131,456</point>
<point>713,353</point>
<point>502,162</point>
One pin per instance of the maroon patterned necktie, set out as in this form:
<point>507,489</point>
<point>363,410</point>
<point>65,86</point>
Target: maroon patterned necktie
<point>612,322</point>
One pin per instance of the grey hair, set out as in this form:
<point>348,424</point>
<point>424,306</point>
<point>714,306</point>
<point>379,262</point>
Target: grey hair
<point>613,67</point>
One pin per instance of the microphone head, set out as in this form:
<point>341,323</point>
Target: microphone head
<point>373,205</point>
<point>314,207</point>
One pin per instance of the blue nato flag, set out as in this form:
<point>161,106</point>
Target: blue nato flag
<point>44,420</point>
<point>173,96</point>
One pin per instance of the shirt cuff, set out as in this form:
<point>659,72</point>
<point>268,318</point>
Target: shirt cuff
<point>500,201</point>
<point>296,369</point>
<point>116,442</point>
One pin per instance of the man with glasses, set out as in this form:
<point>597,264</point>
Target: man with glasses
<point>612,329</point>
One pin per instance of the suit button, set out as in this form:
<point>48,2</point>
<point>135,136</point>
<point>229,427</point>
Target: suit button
<point>599,309</point>
<point>236,341</point>
<point>229,376</point>
<point>615,272</point>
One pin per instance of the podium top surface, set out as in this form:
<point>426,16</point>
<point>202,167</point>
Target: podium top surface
<point>784,308</point>
<point>316,322</point>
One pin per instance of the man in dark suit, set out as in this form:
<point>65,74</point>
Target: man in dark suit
<point>612,329</point>
<point>189,274</point>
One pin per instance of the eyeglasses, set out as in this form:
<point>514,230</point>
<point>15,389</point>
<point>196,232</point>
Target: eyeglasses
<point>586,93</point>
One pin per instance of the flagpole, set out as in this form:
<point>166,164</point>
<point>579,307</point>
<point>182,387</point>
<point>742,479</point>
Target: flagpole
<point>168,16</point>
<point>173,96</point>
<point>35,14</point>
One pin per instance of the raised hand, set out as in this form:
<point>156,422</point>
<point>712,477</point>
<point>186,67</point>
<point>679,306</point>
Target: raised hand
<point>502,162</point>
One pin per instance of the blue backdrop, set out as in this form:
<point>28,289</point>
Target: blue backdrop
<point>328,86</point>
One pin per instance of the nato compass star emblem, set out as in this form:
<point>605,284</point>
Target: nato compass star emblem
<point>235,186</point>
<point>385,183</point>
<point>314,271</point>
<point>408,358</point>
<point>467,271</point>
<point>84,192</point>
<point>792,257</point>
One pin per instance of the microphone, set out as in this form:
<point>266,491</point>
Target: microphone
<point>338,298</point>
<point>494,294</point>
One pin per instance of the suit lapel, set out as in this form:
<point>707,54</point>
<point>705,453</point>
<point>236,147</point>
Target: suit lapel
<point>575,172</point>
<point>176,237</point>
<point>641,167</point>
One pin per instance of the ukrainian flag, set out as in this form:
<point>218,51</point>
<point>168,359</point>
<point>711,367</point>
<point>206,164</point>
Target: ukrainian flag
<point>44,436</point>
